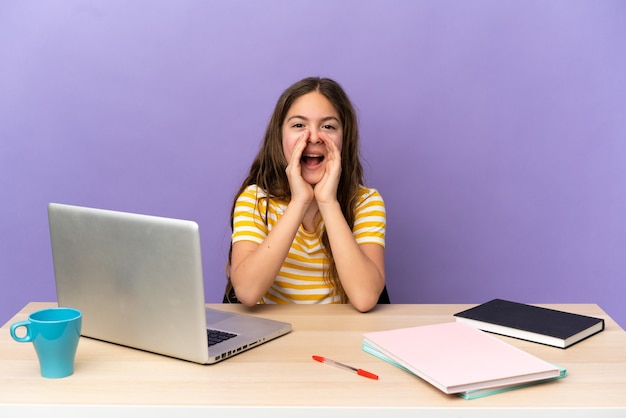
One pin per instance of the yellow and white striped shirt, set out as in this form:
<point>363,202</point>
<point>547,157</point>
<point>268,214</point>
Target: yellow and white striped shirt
<point>301,277</point>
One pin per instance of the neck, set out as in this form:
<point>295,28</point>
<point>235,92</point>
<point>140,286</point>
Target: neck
<point>311,217</point>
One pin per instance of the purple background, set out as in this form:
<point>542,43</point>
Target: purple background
<point>495,130</point>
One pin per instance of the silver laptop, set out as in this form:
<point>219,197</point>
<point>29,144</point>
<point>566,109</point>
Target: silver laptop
<point>138,281</point>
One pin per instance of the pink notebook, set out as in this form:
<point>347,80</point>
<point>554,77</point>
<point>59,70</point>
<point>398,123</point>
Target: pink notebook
<point>456,357</point>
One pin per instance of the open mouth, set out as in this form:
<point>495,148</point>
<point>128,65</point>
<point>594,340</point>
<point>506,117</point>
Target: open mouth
<point>312,159</point>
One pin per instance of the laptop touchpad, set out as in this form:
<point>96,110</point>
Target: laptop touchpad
<point>214,316</point>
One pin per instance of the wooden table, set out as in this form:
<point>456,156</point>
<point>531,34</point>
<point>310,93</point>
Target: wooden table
<point>279,379</point>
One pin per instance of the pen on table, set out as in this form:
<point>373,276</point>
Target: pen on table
<point>360,372</point>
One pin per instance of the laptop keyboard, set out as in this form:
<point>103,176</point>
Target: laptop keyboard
<point>217,336</point>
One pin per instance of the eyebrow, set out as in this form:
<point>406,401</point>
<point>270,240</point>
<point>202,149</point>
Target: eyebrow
<point>324,119</point>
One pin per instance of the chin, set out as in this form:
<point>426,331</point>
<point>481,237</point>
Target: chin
<point>312,179</point>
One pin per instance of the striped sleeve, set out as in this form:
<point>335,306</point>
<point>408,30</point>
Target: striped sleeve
<point>370,222</point>
<point>247,222</point>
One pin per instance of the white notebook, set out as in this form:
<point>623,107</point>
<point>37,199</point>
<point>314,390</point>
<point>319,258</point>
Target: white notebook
<point>456,357</point>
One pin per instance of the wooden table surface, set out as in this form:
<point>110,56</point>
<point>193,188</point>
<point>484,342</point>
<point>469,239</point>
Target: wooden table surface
<point>279,378</point>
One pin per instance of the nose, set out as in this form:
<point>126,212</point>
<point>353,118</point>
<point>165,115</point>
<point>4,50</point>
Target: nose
<point>314,137</point>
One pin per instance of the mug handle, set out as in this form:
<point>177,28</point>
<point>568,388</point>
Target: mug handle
<point>25,339</point>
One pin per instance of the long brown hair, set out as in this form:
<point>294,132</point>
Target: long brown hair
<point>268,167</point>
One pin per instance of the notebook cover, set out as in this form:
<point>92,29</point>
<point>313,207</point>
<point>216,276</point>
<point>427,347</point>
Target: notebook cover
<point>457,357</point>
<point>471,394</point>
<point>532,319</point>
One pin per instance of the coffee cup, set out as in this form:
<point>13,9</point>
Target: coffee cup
<point>55,333</point>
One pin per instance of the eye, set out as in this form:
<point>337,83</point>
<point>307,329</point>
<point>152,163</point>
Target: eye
<point>298,125</point>
<point>331,127</point>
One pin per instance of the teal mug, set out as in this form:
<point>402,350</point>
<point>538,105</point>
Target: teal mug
<point>55,333</point>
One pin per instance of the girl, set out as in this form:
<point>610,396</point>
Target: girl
<point>305,229</point>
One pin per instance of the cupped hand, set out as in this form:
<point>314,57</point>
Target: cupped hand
<point>326,190</point>
<point>300,189</point>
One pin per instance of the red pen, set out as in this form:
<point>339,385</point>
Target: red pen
<point>360,372</point>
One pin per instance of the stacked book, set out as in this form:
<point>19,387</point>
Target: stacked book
<point>461,359</point>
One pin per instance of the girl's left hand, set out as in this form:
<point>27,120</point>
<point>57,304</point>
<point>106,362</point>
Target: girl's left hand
<point>326,190</point>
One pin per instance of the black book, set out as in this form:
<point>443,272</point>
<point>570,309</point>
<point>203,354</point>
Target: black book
<point>532,323</point>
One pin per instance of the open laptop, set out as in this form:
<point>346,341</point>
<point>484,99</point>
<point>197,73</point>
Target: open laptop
<point>138,281</point>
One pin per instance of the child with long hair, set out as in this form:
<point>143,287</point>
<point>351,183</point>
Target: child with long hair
<point>305,228</point>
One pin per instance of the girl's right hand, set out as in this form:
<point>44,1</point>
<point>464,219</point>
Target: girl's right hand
<point>301,191</point>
